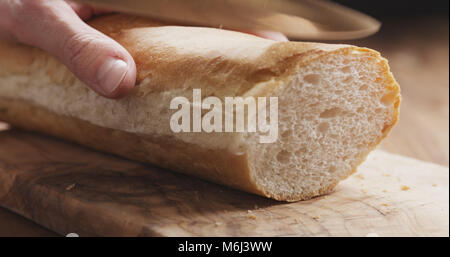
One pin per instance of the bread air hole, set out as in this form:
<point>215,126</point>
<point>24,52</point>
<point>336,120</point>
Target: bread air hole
<point>330,113</point>
<point>388,98</point>
<point>334,136</point>
<point>347,80</point>
<point>346,69</point>
<point>286,134</point>
<point>323,127</point>
<point>284,156</point>
<point>313,79</point>
<point>300,151</point>
<point>363,87</point>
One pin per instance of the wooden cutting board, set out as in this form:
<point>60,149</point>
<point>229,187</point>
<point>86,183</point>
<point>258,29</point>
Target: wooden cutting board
<point>71,189</point>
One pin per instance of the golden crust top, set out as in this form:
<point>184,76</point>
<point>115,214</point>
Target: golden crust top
<point>232,62</point>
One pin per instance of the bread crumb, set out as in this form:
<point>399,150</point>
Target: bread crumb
<point>360,176</point>
<point>297,220</point>
<point>364,190</point>
<point>317,217</point>
<point>385,204</point>
<point>384,191</point>
<point>218,223</point>
<point>386,174</point>
<point>70,187</point>
<point>405,188</point>
<point>252,216</point>
<point>249,211</point>
<point>435,185</point>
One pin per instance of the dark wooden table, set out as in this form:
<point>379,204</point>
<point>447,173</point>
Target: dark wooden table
<point>418,52</point>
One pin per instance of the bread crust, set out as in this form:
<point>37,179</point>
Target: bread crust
<point>223,64</point>
<point>166,152</point>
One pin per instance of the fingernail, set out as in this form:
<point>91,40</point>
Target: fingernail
<point>111,74</point>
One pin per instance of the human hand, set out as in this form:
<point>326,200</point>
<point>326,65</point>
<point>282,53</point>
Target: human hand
<point>58,27</point>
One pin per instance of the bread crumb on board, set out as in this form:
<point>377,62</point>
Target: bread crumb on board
<point>252,216</point>
<point>385,204</point>
<point>405,188</point>
<point>434,185</point>
<point>218,223</point>
<point>386,174</point>
<point>70,187</point>
<point>360,176</point>
<point>384,191</point>
<point>364,190</point>
<point>317,217</point>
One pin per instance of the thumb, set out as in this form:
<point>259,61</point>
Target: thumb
<point>97,60</point>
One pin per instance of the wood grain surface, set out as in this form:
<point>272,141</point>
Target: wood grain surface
<point>71,189</point>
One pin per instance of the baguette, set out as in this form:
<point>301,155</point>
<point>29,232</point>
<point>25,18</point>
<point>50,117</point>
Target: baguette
<point>335,104</point>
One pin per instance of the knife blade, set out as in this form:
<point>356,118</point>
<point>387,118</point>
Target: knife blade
<point>298,19</point>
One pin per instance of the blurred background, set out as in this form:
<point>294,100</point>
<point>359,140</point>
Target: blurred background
<point>414,38</point>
